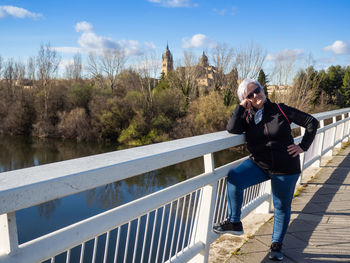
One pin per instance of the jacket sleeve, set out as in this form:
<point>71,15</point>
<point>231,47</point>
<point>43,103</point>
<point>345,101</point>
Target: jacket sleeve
<point>305,120</point>
<point>236,123</point>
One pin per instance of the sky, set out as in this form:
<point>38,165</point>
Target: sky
<point>283,28</point>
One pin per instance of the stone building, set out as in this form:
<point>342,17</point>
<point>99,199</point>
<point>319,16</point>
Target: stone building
<point>167,62</point>
<point>205,74</point>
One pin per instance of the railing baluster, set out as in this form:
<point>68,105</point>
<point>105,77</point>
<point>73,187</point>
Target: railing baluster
<point>167,231</point>
<point>180,228</point>
<point>187,219</point>
<point>152,238</point>
<point>82,253</point>
<point>117,245</point>
<point>160,233</point>
<point>224,211</point>
<point>144,238</point>
<point>194,216</point>
<point>106,248</point>
<point>127,242</point>
<point>174,231</point>
<point>68,256</point>
<point>136,239</point>
<point>95,250</point>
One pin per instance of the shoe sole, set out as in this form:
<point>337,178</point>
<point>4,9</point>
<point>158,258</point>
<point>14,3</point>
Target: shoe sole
<point>276,258</point>
<point>236,233</point>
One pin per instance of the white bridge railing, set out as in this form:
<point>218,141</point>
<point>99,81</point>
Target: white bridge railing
<point>171,225</point>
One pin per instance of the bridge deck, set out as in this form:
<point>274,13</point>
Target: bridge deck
<point>319,230</point>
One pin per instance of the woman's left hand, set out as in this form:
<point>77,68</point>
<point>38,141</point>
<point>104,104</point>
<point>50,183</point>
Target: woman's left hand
<point>294,150</point>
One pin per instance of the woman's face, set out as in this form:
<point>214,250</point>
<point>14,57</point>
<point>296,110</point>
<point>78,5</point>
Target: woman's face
<point>257,99</point>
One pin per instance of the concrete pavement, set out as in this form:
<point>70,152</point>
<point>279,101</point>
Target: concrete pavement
<point>319,230</point>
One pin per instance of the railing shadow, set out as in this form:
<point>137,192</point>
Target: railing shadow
<point>313,235</point>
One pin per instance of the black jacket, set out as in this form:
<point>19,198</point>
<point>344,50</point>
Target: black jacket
<point>268,140</point>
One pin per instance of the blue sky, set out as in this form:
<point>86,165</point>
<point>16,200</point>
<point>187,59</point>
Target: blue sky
<point>282,28</point>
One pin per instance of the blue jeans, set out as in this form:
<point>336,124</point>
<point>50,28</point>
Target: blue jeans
<point>248,174</point>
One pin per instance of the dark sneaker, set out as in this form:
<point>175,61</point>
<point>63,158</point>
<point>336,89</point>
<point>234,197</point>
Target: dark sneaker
<point>275,252</point>
<point>228,227</point>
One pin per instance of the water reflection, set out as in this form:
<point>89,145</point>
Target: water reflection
<point>20,152</point>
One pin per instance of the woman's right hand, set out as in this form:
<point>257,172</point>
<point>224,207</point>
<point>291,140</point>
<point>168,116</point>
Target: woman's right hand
<point>246,104</point>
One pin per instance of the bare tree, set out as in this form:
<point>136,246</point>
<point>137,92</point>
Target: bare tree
<point>148,69</point>
<point>1,66</point>
<point>283,69</point>
<point>47,63</point>
<point>185,77</point>
<point>107,66</point>
<point>19,72</point>
<point>77,66</point>
<point>69,71</point>
<point>222,57</point>
<point>74,69</point>
<point>31,69</point>
<point>249,61</point>
<point>94,69</point>
<point>9,75</point>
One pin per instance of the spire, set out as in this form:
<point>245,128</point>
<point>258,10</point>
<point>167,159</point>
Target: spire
<point>203,61</point>
<point>167,61</point>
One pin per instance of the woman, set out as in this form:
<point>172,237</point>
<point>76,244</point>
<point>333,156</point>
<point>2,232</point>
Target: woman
<point>273,156</point>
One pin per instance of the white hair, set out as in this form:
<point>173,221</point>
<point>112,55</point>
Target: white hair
<point>243,87</point>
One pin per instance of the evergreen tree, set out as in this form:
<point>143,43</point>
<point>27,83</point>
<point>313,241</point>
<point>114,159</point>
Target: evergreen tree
<point>262,78</point>
<point>316,89</point>
<point>335,81</point>
<point>345,89</point>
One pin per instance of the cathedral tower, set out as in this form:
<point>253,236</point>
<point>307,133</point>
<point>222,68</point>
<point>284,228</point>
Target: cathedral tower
<point>203,61</point>
<point>167,62</point>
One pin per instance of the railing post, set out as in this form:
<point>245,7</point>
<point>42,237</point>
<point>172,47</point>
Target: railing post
<point>343,129</point>
<point>302,159</point>
<point>205,213</point>
<point>334,120</point>
<point>346,129</point>
<point>320,146</point>
<point>8,233</point>
<point>341,126</point>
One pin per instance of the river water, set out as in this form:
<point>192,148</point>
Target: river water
<point>19,152</point>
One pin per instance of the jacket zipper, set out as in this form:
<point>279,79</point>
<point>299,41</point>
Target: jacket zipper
<point>268,138</point>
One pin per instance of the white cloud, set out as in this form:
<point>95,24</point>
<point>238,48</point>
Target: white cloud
<point>197,41</point>
<point>338,47</point>
<point>174,3</point>
<point>83,27</point>
<point>150,45</point>
<point>89,41</point>
<point>65,62</point>
<point>8,10</point>
<point>226,11</point>
<point>68,49</point>
<point>329,60</point>
<point>130,47</point>
<point>285,54</point>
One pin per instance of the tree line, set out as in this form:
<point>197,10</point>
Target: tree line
<point>130,105</point>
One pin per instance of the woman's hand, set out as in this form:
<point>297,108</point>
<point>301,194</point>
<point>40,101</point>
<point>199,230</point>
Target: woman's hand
<point>246,104</point>
<point>294,150</point>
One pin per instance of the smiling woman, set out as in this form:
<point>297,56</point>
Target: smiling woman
<point>274,156</point>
